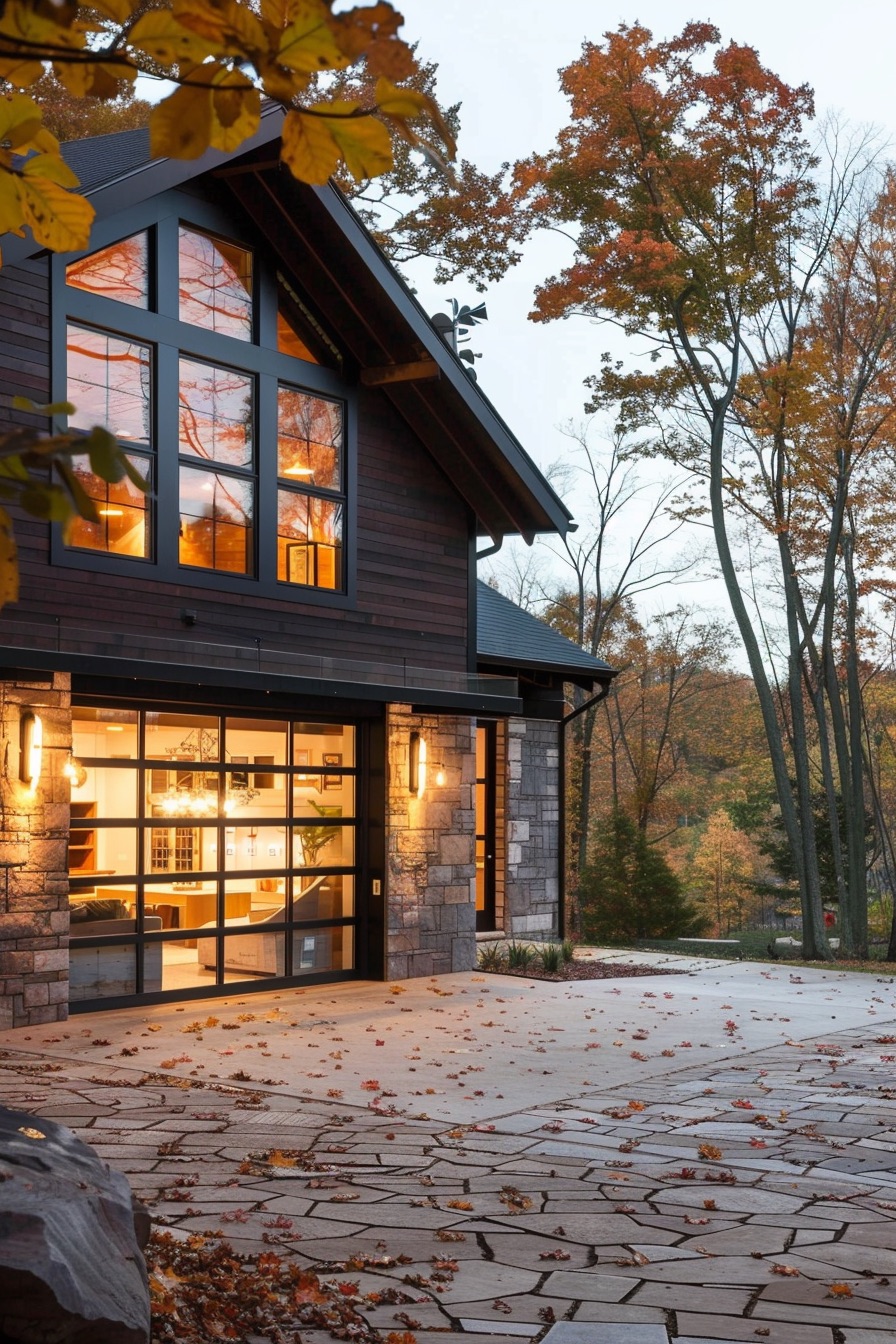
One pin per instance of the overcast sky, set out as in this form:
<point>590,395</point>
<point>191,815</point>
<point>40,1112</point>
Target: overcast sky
<point>500,60</point>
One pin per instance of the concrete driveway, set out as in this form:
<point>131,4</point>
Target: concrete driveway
<point>708,1154</point>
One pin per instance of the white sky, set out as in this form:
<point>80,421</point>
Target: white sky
<point>500,60</point>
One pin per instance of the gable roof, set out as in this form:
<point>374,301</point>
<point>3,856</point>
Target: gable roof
<point>507,636</point>
<point>379,321</point>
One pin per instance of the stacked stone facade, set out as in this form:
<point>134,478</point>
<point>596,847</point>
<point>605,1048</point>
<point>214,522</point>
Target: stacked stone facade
<point>34,825</point>
<point>532,853</point>
<point>431,874</point>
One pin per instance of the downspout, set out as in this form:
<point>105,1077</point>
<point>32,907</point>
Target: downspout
<point>561,737</point>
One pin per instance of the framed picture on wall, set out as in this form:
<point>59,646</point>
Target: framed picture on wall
<point>332,758</point>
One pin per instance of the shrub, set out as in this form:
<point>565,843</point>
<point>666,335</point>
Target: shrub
<point>551,958</point>
<point>520,955</point>
<point>567,950</point>
<point>491,958</point>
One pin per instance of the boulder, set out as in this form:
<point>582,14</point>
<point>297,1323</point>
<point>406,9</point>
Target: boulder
<point>71,1237</point>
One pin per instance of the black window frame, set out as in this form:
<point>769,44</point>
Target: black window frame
<point>160,327</point>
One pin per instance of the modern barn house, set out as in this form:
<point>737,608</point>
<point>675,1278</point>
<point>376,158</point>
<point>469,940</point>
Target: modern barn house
<point>261,726</point>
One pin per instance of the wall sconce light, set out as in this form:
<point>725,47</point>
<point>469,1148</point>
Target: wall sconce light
<point>417,765</point>
<point>31,742</point>
<point>440,776</point>
<point>74,771</point>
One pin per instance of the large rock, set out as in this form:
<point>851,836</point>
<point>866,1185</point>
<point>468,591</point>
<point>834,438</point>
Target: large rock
<point>71,1263</point>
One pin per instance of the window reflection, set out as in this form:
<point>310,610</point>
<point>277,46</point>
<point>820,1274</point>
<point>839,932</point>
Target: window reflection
<point>216,521</point>
<point>309,540</point>
<point>309,439</point>
<point>109,383</point>
<point>215,284</point>
<point>120,272</point>
<point>123,512</point>
<point>216,414</point>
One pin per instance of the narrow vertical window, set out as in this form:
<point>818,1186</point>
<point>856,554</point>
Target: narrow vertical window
<point>217,468</point>
<point>310,499</point>
<point>110,384</point>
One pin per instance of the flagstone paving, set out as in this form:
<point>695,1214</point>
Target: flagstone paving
<point>707,1156</point>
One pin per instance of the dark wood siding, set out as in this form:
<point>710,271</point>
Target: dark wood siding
<point>412,541</point>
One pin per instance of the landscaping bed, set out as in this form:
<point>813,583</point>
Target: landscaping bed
<point>583,970</point>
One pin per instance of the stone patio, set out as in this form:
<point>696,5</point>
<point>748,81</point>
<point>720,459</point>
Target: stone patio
<point>704,1156</point>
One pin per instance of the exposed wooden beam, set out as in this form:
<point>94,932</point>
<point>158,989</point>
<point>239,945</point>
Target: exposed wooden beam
<point>420,370</point>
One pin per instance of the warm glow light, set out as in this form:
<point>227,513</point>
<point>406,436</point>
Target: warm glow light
<point>111,513</point>
<point>31,741</point>
<point>417,765</point>
<point>74,772</point>
<point>440,777</point>
<point>299,471</point>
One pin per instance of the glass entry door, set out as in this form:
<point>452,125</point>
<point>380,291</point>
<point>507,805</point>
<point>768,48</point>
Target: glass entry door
<point>207,849</point>
<point>486,741</point>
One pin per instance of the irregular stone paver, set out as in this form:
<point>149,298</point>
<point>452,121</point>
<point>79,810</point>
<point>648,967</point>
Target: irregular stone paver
<point>496,1157</point>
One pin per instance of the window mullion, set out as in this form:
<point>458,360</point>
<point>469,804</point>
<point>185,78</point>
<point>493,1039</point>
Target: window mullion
<point>167,467</point>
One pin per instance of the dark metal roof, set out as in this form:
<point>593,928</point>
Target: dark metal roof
<point>506,636</point>
<point>377,317</point>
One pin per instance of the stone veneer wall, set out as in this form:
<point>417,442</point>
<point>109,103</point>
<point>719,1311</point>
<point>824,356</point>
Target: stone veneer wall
<point>532,871</point>
<point>34,826</point>
<point>430,869</point>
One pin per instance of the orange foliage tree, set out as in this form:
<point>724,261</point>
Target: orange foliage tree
<point>705,225</point>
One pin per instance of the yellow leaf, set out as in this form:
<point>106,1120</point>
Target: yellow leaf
<point>59,219</point>
<point>180,126</point>
<point>11,214</point>
<point>25,27</point>
<point>308,43</point>
<point>119,11</point>
<point>397,102</point>
<point>20,120</point>
<point>236,110</point>
<point>160,35</point>
<point>227,25</point>
<point>309,150</point>
<point>94,79</point>
<point>365,145</point>
<point>50,166</point>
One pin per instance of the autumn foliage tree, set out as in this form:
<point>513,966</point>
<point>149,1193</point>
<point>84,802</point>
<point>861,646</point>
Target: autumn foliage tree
<point>707,225</point>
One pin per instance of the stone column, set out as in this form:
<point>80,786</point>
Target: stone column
<point>34,825</point>
<point>430,843</point>
<point>532,873</point>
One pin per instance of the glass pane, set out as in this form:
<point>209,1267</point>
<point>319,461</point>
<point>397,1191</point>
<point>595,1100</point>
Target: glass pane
<point>215,414</point>
<point>180,849</point>
<point>246,738</point>
<point>96,913</point>
<point>329,896</point>
<point>313,741</point>
<point>178,965</point>
<point>309,540</point>
<point>182,737</point>
<point>249,956</point>
<point>216,521</point>
<point>309,439</point>
<point>109,972</point>
<point>215,284</point>
<point>104,732</point>
<point>182,903</point>
<point>124,513</point>
<point>252,848</point>
<point>120,271</point>
<point>112,851</point>
<point>109,383</point>
<point>320,844</point>
<point>289,342</point>
<point>323,950</point>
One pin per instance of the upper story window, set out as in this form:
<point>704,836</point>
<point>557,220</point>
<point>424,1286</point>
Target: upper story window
<point>215,378</point>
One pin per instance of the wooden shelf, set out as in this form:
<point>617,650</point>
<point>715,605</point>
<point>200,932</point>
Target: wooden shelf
<point>82,839</point>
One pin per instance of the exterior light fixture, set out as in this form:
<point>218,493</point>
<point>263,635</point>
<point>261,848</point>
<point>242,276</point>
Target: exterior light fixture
<point>31,742</point>
<point>74,771</point>
<point>417,765</point>
<point>440,776</point>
